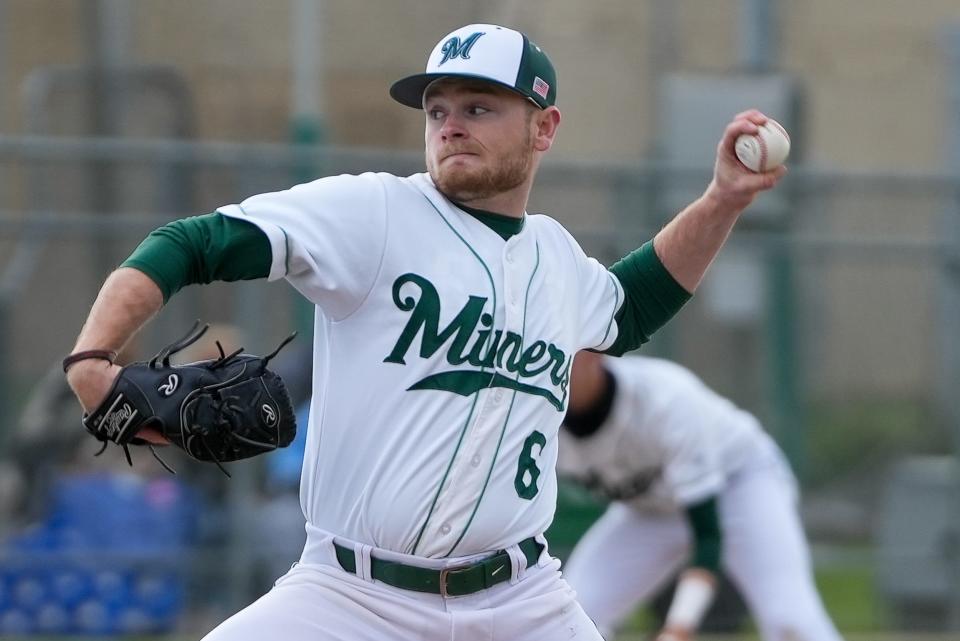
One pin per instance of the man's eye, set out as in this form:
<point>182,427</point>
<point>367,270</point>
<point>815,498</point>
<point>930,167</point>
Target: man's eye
<point>435,114</point>
<point>477,110</point>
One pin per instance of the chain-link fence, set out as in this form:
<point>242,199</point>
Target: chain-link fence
<point>830,315</point>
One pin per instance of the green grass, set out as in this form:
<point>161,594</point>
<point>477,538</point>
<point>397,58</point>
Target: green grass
<point>850,596</point>
<point>847,586</point>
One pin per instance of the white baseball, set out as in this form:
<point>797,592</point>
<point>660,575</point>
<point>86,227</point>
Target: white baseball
<point>764,150</point>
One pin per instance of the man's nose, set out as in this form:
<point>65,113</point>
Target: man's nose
<point>452,128</point>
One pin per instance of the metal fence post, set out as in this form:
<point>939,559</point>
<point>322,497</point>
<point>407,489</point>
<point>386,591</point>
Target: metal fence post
<point>4,35</point>
<point>759,42</point>
<point>6,377</point>
<point>949,378</point>
<point>307,127</point>
<point>784,358</point>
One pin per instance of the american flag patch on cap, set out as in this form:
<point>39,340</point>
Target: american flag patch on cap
<point>540,87</point>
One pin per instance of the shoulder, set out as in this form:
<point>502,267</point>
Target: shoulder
<point>353,194</point>
<point>314,195</point>
<point>359,184</point>
<point>544,224</point>
<point>654,394</point>
<point>668,391</point>
<point>548,230</point>
<point>364,182</point>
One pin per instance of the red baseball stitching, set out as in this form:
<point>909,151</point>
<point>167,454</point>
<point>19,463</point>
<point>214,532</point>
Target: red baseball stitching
<point>763,152</point>
<point>780,127</point>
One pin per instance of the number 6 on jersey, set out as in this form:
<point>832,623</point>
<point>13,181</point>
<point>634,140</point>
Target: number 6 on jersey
<point>527,470</point>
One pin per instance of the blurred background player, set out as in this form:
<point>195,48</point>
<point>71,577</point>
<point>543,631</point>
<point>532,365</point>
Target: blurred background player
<point>691,478</point>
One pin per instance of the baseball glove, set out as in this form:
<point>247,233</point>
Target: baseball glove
<point>218,410</point>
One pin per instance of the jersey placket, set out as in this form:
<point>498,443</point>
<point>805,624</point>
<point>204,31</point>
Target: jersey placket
<point>465,485</point>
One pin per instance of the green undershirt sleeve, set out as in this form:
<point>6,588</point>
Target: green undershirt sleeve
<point>202,249</point>
<point>707,536</point>
<point>651,298</point>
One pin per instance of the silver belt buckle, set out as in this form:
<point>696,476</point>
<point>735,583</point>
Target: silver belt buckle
<point>446,572</point>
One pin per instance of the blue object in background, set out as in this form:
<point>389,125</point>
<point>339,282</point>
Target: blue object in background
<point>111,587</point>
<point>98,564</point>
<point>15,622</point>
<point>36,538</point>
<point>93,618</point>
<point>136,620</point>
<point>70,586</point>
<point>29,592</point>
<point>160,595</point>
<point>121,513</point>
<point>284,465</point>
<point>52,618</point>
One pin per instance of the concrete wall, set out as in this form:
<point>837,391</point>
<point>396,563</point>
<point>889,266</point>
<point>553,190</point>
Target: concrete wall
<point>873,73</point>
<point>873,69</point>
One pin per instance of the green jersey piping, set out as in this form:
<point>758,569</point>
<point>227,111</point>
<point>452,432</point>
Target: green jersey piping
<point>616,307</point>
<point>463,430</point>
<point>503,428</point>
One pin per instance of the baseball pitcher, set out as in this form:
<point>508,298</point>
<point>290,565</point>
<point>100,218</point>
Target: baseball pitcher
<point>692,478</point>
<point>446,322</point>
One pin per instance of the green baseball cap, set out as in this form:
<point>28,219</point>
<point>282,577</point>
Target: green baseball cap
<point>486,52</point>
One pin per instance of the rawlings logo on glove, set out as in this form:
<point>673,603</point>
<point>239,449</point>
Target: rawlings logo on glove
<point>218,410</point>
<point>114,422</point>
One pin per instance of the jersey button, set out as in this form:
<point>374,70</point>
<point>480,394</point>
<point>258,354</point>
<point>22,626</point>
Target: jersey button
<point>445,528</point>
<point>475,461</point>
<point>509,257</point>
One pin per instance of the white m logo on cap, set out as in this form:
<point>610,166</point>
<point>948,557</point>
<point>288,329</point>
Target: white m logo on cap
<point>453,48</point>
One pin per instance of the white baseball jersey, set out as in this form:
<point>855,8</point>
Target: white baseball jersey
<point>442,357</point>
<point>670,441</point>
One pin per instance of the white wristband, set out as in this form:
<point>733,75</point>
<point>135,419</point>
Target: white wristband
<point>691,600</point>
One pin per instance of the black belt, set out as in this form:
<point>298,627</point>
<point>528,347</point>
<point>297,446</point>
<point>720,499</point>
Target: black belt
<point>453,581</point>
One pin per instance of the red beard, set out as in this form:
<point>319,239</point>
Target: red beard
<point>464,184</point>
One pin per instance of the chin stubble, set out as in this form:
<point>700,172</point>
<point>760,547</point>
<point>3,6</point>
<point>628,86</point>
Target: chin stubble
<point>464,186</point>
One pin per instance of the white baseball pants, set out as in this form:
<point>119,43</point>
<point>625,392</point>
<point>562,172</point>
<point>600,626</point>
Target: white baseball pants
<point>319,601</point>
<point>628,555</point>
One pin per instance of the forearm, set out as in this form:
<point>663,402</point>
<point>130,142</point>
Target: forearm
<point>692,598</point>
<point>688,244</point>
<point>201,249</point>
<point>127,300</point>
<point>697,584</point>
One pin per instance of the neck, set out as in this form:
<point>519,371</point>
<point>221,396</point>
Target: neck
<point>511,203</point>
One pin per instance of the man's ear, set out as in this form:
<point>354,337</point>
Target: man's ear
<point>546,122</point>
